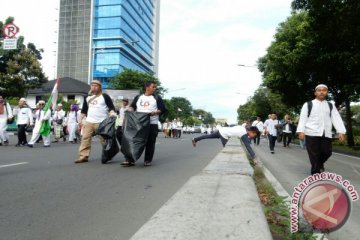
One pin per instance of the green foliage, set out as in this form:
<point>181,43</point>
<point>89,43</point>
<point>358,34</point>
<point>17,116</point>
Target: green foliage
<point>134,80</point>
<point>318,43</point>
<point>205,117</point>
<point>20,69</point>
<point>261,104</point>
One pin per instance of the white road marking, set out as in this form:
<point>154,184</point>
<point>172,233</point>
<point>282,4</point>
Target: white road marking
<point>14,164</point>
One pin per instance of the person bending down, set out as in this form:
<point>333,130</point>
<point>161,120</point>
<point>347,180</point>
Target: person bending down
<point>237,131</point>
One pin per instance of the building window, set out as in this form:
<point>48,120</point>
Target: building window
<point>71,97</point>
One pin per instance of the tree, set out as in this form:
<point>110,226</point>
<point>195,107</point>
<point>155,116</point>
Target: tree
<point>204,116</point>
<point>261,104</point>
<point>319,43</point>
<point>182,107</point>
<point>134,80</point>
<point>20,68</point>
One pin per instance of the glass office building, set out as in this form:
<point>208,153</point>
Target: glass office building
<point>121,34</point>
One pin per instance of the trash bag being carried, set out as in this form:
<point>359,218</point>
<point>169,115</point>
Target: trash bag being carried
<point>107,130</point>
<point>135,134</point>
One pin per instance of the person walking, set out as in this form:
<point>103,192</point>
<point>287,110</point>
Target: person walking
<point>24,118</point>
<point>96,108</point>
<point>317,118</point>
<point>287,127</point>
<point>260,126</point>
<point>41,116</point>
<point>120,119</point>
<point>152,104</point>
<point>271,126</point>
<point>225,133</point>
<point>179,126</point>
<point>58,121</point>
<point>72,123</point>
<point>6,116</point>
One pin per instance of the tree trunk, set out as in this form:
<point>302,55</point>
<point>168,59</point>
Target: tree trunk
<point>349,130</point>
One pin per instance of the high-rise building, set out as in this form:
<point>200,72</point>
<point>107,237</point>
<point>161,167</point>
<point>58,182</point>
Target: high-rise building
<point>100,38</point>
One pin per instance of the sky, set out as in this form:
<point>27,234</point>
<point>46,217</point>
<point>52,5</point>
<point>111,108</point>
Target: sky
<point>202,42</point>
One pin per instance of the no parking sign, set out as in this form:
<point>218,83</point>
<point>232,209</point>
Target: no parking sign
<point>10,30</point>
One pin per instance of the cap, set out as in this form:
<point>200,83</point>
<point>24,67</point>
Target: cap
<point>59,105</point>
<point>23,99</point>
<point>321,86</point>
<point>41,102</point>
<point>96,82</point>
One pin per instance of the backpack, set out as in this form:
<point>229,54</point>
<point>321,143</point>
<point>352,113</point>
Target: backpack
<point>310,105</point>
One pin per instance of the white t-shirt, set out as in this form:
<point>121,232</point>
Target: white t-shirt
<point>236,131</point>
<point>97,109</point>
<point>147,104</point>
<point>270,126</point>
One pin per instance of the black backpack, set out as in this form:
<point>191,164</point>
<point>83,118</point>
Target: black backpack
<point>310,105</point>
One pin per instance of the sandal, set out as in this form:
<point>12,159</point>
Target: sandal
<point>127,164</point>
<point>147,164</point>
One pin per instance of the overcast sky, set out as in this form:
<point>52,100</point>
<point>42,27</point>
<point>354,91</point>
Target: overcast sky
<point>201,44</point>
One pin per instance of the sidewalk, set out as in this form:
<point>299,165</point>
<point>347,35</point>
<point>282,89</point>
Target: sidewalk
<point>289,166</point>
<point>221,202</point>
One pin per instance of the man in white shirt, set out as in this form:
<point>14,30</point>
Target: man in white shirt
<point>120,120</point>
<point>58,120</point>
<point>24,118</point>
<point>96,108</point>
<point>154,106</point>
<point>5,115</point>
<point>317,118</point>
<point>271,129</point>
<point>260,126</point>
<point>40,117</point>
<point>225,133</point>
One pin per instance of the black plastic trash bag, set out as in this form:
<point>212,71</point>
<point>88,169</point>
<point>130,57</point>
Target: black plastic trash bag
<point>110,149</point>
<point>135,134</point>
<point>107,130</point>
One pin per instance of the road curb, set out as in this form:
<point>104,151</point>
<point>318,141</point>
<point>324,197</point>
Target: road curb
<point>221,202</point>
<point>280,190</point>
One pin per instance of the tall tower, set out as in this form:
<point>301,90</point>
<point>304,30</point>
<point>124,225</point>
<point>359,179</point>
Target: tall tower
<point>100,38</point>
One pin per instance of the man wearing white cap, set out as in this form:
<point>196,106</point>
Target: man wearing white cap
<point>96,108</point>
<point>317,118</point>
<point>58,120</point>
<point>24,118</point>
<point>40,117</point>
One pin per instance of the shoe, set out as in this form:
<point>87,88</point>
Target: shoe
<point>147,164</point>
<point>6,143</point>
<point>56,141</point>
<point>45,146</point>
<point>127,164</point>
<point>30,145</point>
<point>17,145</point>
<point>272,152</point>
<point>193,142</point>
<point>84,160</point>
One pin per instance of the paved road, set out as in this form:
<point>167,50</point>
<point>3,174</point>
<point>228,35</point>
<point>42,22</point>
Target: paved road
<point>291,166</point>
<point>47,196</point>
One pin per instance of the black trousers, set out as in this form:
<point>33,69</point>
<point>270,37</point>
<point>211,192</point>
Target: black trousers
<point>257,139</point>
<point>287,138</point>
<point>215,134</point>
<point>319,150</point>
<point>178,133</point>
<point>150,145</point>
<point>272,141</point>
<point>22,134</point>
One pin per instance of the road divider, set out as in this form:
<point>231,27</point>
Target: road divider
<point>221,202</point>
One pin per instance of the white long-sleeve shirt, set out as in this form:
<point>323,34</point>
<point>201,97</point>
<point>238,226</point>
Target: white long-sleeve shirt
<point>319,121</point>
<point>24,115</point>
